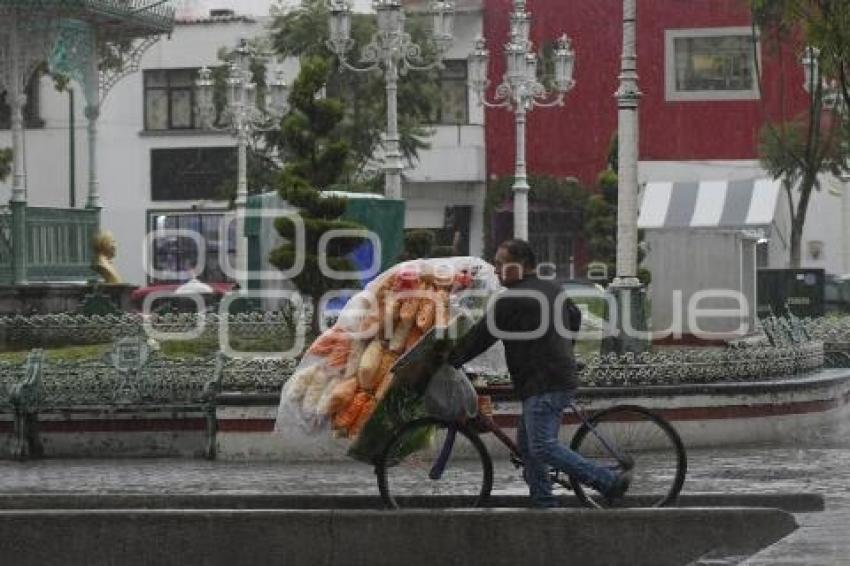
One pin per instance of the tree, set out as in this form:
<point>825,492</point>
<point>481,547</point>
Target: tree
<point>823,24</point>
<point>798,150</point>
<point>303,32</point>
<point>423,243</point>
<point>600,225</point>
<point>316,156</point>
<point>5,163</point>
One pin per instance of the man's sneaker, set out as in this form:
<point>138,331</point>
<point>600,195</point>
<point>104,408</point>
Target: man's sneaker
<point>620,486</point>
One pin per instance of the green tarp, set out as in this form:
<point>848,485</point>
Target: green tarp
<point>382,216</point>
<point>385,218</point>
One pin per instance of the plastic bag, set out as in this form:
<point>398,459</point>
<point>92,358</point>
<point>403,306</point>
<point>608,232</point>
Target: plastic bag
<point>450,395</point>
<point>376,327</point>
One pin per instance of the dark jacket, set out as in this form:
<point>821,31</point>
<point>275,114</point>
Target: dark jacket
<point>540,364</point>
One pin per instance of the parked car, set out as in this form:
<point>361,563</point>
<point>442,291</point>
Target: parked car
<point>172,302</point>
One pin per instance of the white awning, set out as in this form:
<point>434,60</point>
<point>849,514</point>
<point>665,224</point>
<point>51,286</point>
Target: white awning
<point>709,204</point>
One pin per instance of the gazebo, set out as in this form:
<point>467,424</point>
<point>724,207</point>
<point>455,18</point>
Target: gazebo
<point>95,43</point>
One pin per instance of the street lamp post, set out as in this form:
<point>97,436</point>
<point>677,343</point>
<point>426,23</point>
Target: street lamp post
<point>243,115</point>
<point>520,91</point>
<point>391,50</point>
<point>626,287</point>
<point>845,222</point>
<point>628,97</point>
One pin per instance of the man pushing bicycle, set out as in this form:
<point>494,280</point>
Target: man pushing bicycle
<point>527,317</point>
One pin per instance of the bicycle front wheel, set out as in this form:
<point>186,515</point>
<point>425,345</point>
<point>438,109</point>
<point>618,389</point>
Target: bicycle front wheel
<point>435,464</point>
<point>659,462</point>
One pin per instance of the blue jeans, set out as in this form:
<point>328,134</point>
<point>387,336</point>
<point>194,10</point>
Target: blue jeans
<point>537,438</point>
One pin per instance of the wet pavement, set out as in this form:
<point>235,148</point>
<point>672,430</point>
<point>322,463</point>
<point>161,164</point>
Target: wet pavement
<point>822,539</point>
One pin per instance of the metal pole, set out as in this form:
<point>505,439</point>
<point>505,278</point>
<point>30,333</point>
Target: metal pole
<point>392,159</point>
<point>241,203</point>
<point>92,115</point>
<point>628,96</point>
<point>72,151</point>
<point>17,99</point>
<point>845,217</point>
<point>242,165</point>
<point>520,187</point>
<point>626,288</point>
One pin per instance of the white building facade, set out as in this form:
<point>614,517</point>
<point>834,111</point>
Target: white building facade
<point>158,169</point>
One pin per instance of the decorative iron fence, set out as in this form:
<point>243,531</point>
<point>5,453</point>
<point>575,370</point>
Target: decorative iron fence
<point>834,332</point>
<point>93,381</point>
<point>754,363</point>
<point>788,348</point>
<point>259,375</point>
<point>10,374</point>
<point>19,332</point>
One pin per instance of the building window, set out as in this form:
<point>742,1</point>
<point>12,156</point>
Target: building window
<point>170,99</point>
<point>32,118</point>
<point>710,64</point>
<point>196,173</point>
<point>457,224</point>
<point>177,254</point>
<point>453,107</point>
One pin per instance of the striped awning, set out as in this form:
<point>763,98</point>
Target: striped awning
<point>709,204</point>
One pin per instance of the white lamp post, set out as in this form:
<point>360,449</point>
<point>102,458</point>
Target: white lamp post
<point>391,50</point>
<point>243,116</point>
<point>520,91</point>
<point>845,222</point>
<point>628,97</point>
<point>626,287</point>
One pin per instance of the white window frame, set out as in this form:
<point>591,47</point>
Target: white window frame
<point>673,95</point>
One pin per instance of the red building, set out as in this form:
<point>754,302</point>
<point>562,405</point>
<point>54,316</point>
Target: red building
<point>573,140</point>
<point>697,65</point>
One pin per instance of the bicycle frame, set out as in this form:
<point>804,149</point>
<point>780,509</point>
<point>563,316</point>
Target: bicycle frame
<point>436,471</point>
<point>484,423</point>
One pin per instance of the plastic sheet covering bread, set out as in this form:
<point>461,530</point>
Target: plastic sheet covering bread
<point>365,376</point>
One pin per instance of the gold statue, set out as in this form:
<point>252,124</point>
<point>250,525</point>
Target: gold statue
<point>103,246</point>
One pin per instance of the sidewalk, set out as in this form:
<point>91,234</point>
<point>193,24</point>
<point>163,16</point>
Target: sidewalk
<point>822,539</point>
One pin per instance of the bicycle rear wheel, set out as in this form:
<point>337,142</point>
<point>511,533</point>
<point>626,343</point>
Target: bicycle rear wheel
<point>658,455</point>
<point>432,464</point>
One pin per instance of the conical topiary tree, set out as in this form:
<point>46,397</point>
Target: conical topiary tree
<point>315,157</point>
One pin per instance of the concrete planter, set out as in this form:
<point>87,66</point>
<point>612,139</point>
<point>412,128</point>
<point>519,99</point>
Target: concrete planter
<point>803,409</point>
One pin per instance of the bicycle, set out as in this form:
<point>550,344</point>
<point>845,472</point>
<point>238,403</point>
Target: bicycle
<point>452,465</point>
